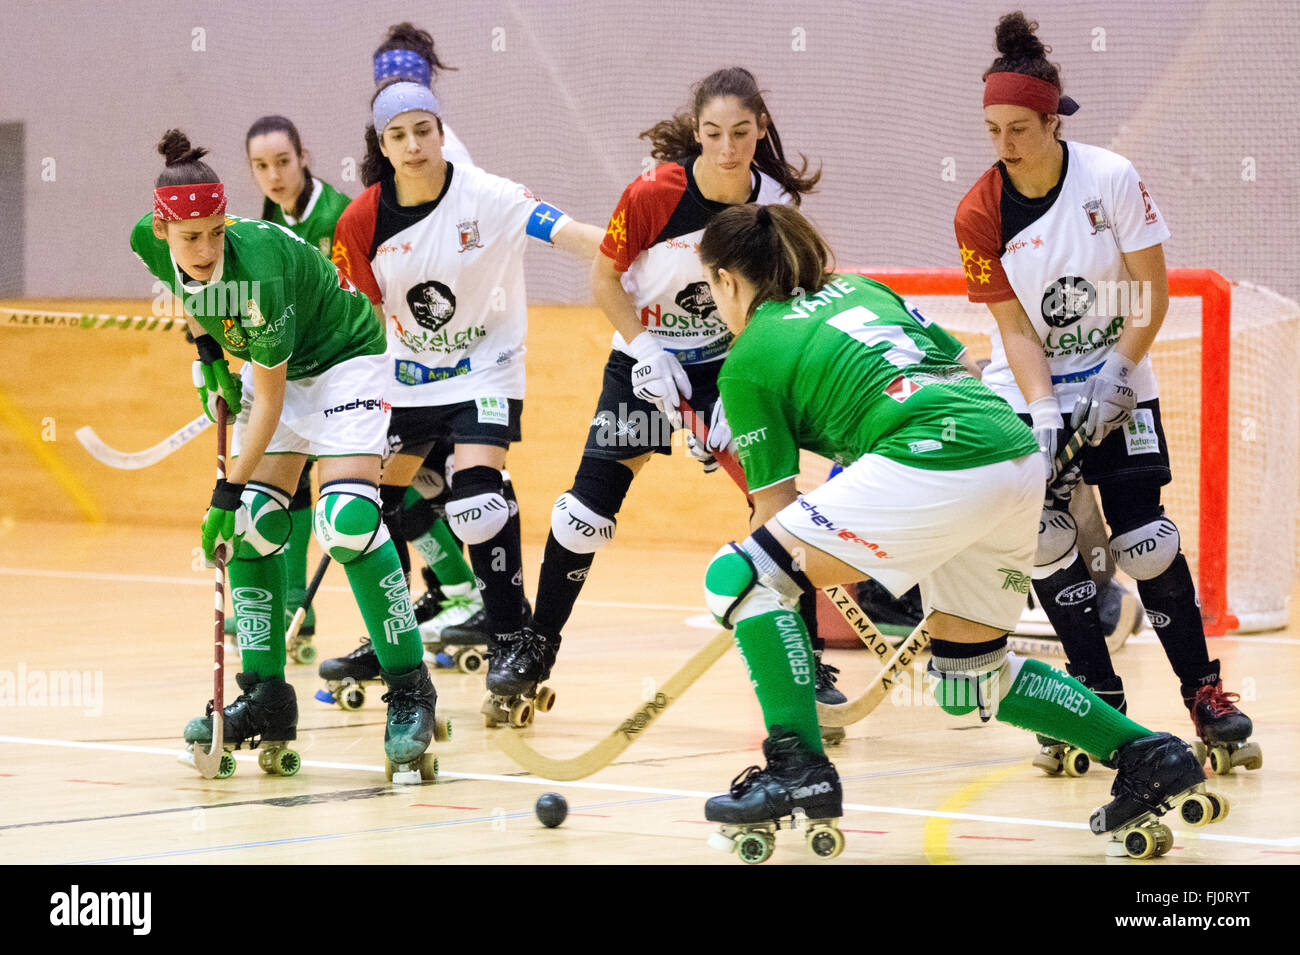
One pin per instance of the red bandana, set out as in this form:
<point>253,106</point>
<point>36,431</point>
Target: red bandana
<point>1016,89</point>
<point>177,203</point>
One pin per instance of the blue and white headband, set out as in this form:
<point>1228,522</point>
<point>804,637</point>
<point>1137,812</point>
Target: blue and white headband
<point>401,98</point>
<point>407,64</point>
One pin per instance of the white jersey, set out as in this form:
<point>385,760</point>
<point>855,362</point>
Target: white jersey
<point>1061,257</point>
<point>449,275</point>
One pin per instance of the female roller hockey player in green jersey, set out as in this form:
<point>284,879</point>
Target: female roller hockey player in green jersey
<point>311,386</point>
<point>942,487</point>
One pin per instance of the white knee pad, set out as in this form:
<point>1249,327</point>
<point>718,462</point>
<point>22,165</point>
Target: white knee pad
<point>347,520</point>
<point>578,528</point>
<point>269,522</point>
<point>733,589</point>
<point>478,518</point>
<point>1146,551</point>
<point>1057,535</point>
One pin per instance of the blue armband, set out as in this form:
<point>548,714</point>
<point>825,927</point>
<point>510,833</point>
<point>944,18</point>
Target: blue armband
<point>542,221</point>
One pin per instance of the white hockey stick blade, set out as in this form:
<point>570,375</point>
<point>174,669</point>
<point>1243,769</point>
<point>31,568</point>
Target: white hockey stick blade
<point>134,460</point>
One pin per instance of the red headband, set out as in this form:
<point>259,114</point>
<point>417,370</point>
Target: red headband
<point>1016,89</point>
<point>178,203</point>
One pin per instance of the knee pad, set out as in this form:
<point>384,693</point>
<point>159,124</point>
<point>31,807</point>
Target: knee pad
<point>269,522</point>
<point>1057,535</point>
<point>746,580</point>
<point>1146,551</point>
<point>347,521</point>
<point>477,510</point>
<point>429,484</point>
<point>578,528</point>
<point>966,677</point>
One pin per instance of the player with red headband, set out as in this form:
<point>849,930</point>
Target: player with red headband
<point>1064,243</point>
<point>312,385</point>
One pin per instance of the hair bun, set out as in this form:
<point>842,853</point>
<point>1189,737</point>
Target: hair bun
<point>1015,38</point>
<point>176,150</point>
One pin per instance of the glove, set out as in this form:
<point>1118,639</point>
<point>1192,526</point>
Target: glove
<point>1061,487</point>
<point>1047,423</point>
<point>1108,400</point>
<point>226,522</point>
<point>719,430</point>
<point>213,379</point>
<point>700,453</point>
<point>658,377</point>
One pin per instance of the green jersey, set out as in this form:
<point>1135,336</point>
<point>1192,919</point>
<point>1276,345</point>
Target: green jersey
<point>852,371</point>
<point>272,299</point>
<point>316,227</point>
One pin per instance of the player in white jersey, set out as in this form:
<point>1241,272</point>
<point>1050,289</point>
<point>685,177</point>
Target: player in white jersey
<point>1064,244</point>
<point>407,53</point>
<point>669,341</point>
<point>438,248</point>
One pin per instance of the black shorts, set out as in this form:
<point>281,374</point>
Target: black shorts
<point>626,427</point>
<point>480,421</point>
<point>1136,452</point>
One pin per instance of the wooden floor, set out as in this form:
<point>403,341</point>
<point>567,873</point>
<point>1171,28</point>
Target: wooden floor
<point>99,781</point>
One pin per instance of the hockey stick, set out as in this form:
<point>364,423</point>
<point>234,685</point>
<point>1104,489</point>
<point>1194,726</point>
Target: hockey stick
<point>627,732</point>
<point>134,460</point>
<point>291,636</point>
<point>209,764</point>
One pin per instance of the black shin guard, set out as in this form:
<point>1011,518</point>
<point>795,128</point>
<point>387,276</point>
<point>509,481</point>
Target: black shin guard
<point>808,610</point>
<point>390,504</point>
<point>1170,599</point>
<point>1069,598</point>
<point>498,564</point>
<point>560,582</point>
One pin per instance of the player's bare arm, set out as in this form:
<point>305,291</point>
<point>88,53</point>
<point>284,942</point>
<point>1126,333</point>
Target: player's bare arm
<point>1147,310</point>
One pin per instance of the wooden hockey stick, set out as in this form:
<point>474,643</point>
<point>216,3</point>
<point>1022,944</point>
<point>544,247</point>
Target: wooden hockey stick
<point>134,460</point>
<point>628,732</point>
<point>301,614</point>
<point>209,764</point>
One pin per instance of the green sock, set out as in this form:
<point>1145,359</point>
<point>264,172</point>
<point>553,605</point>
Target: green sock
<point>295,551</point>
<point>776,649</point>
<point>379,587</point>
<point>257,593</point>
<point>441,551</point>
<point>1045,700</point>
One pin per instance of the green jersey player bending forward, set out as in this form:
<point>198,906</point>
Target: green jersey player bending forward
<point>943,487</point>
<point>312,386</point>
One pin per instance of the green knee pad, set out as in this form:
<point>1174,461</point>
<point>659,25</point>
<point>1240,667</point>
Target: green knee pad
<point>269,523</point>
<point>347,520</point>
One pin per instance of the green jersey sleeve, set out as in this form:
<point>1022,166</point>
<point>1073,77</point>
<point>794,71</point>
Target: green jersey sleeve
<point>944,341</point>
<point>762,425</point>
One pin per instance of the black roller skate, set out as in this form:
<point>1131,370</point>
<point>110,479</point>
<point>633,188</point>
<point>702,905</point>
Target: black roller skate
<point>1223,729</point>
<point>797,783</point>
<point>520,663</point>
<point>346,677</point>
<point>465,646</point>
<point>265,715</point>
<point>1156,774</point>
<point>412,724</point>
<point>430,602</point>
<point>828,693</point>
<point>1056,756</point>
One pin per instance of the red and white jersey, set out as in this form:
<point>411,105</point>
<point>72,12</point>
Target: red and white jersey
<point>654,240</point>
<point>449,276</point>
<point>1060,256</point>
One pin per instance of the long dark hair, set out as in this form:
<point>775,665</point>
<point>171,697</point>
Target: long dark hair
<point>1020,51</point>
<point>774,247</point>
<point>184,162</point>
<point>407,36</point>
<point>375,167</point>
<point>674,139</point>
<point>278,124</point>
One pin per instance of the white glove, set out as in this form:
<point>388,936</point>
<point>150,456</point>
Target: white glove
<point>658,377</point>
<point>1046,423</point>
<point>1108,400</point>
<point>700,453</point>
<point>719,430</point>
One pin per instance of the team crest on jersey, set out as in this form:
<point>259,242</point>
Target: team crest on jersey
<point>1096,215</point>
<point>468,233</point>
<point>432,303</point>
<point>232,333</point>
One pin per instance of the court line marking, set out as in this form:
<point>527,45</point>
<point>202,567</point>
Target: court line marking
<point>934,841</point>
<point>526,780</point>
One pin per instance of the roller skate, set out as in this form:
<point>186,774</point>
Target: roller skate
<point>265,715</point>
<point>346,677</point>
<point>430,602</point>
<point>412,724</point>
<point>1056,756</point>
<point>1156,774</point>
<point>520,663</point>
<point>797,783</point>
<point>829,694</point>
<point>460,604</point>
<point>468,637</point>
<point>1223,729</point>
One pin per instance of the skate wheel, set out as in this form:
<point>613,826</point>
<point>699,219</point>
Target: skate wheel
<point>266,761</point>
<point>469,660</point>
<point>429,767</point>
<point>545,699</point>
<point>226,767</point>
<point>441,730</point>
<point>832,735</point>
<point>755,847</point>
<point>1140,844</point>
<point>288,763</point>
<point>1249,756</point>
<point>1196,810</point>
<point>825,842</point>
<point>1220,761</point>
<point>1076,762</point>
<point>721,842</point>
<point>1048,763</point>
<point>1200,752</point>
<point>304,653</point>
<point>521,714</point>
<point>490,722</point>
<point>1219,806</point>
<point>352,699</point>
<point>388,769</point>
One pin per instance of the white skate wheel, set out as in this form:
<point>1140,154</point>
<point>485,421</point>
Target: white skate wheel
<point>722,843</point>
<point>410,777</point>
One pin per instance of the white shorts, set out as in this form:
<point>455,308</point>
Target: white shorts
<point>968,536</point>
<point>337,413</point>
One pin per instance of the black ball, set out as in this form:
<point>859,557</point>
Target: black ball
<point>551,809</point>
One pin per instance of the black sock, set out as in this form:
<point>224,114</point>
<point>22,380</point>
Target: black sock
<point>1170,599</point>
<point>390,501</point>
<point>1069,598</point>
<point>808,610</point>
<point>562,576</point>
<point>499,566</point>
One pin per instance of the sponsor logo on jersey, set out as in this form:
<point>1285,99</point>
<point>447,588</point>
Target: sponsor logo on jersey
<point>432,304</point>
<point>1096,215</point>
<point>678,324</point>
<point>925,446</point>
<point>1014,580</point>
<point>405,249</point>
<point>1077,594</point>
<point>696,299</point>
<point>901,388</point>
<point>750,437</point>
<point>1083,340</point>
<point>1158,619</point>
<point>360,404</point>
<point>1150,206</point>
<point>467,233</point>
<point>1067,300</point>
<point>255,318</point>
<point>413,373</point>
